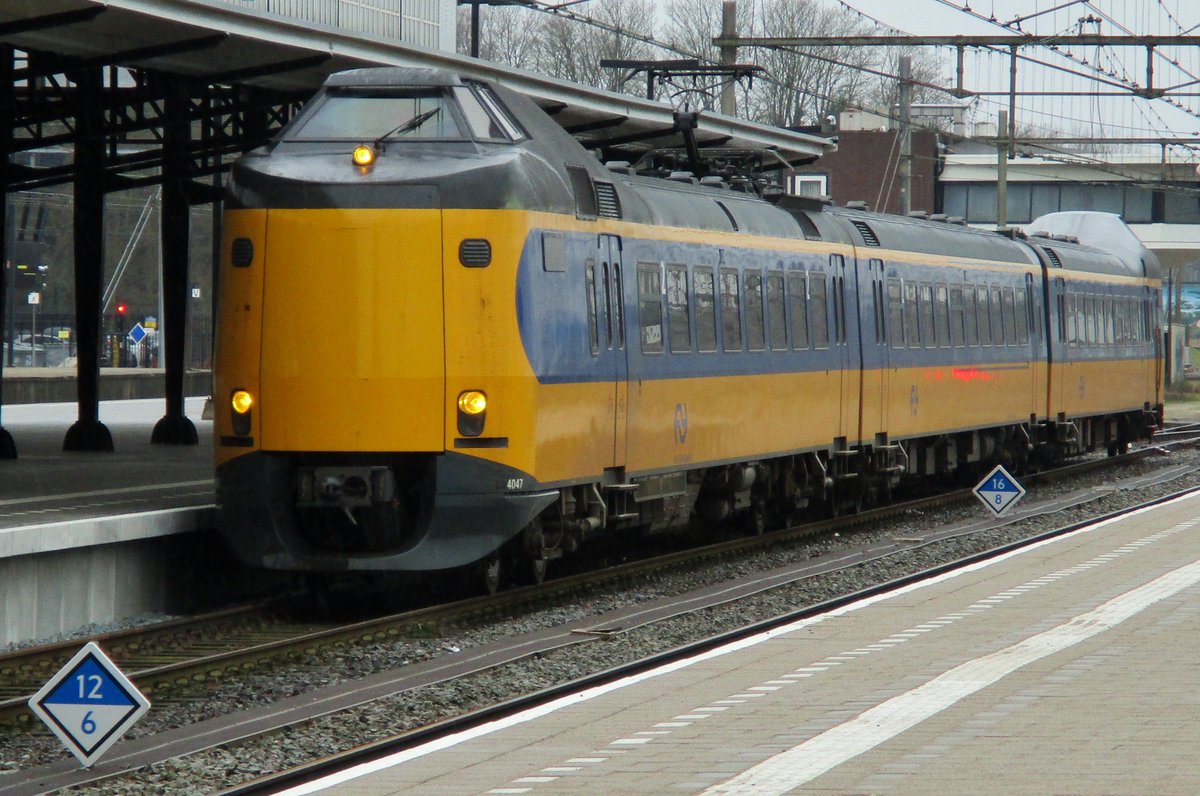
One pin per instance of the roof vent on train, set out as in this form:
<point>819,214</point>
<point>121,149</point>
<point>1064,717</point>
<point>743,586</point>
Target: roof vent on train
<point>682,176</point>
<point>868,235</point>
<point>858,204</point>
<point>713,181</point>
<point>608,204</point>
<point>922,214</point>
<point>940,217</point>
<point>619,166</point>
<point>1054,259</point>
<point>956,220</point>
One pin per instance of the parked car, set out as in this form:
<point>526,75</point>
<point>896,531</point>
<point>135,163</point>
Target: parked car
<point>37,351</point>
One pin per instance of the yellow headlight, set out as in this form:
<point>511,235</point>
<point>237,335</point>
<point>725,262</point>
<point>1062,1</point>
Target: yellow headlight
<point>472,402</point>
<point>241,402</point>
<point>363,155</point>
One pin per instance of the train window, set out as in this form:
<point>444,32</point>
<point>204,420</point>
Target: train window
<point>912,333</point>
<point>649,280</point>
<point>895,302</point>
<point>985,314</point>
<point>679,323</point>
<point>997,312</point>
<point>731,311</point>
<point>928,332</point>
<point>818,310</point>
<point>1010,317</point>
<point>1022,311</point>
<point>617,307</point>
<point>367,117</point>
<point>755,328</point>
<point>877,296</point>
<point>799,301</point>
<point>838,263</point>
<point>957,316</point>
<point>608,316</point>
<point>776,320</point>
<point>1089,317</point>
<point>593,321</point>
<point>499,124</point>
<point>941,315</point>
<point>706,311</point>
<point>1068,314</point>
<point>1110,334</point>
<point>970,316</point>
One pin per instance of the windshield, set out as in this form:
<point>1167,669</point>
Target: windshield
<point>369,117</point>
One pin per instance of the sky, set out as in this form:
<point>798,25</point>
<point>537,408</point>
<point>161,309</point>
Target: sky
<point>1094,116</point>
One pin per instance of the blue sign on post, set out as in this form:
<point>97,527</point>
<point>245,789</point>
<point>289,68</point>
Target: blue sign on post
<point>138,333</point>
<point>999,491</point>
<point>89,704</point>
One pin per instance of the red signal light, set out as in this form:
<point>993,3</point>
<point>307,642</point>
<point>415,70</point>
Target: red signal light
<point>121,309</point>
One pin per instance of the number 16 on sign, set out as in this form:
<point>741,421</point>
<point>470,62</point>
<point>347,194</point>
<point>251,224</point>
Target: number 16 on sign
<point>999,491</point>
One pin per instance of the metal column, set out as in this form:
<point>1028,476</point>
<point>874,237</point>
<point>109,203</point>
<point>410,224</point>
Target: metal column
<point>88,433</point>
<point>8,449</point>
<point>174,428</point>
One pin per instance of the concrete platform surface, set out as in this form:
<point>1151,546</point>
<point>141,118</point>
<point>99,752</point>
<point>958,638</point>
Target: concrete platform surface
<point>1069,667</point>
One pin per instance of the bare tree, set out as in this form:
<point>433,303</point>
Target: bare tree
<point>572,50</point>
<point>507,34</point>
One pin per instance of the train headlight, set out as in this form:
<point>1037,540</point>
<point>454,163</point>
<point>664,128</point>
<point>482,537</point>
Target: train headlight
<point>472,411</point>
<point>363,156</point>
<point>240,402</point>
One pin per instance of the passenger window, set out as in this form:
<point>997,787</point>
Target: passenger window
<point>731,311</point>
<point>706,312</point>
<point>608,316</point>
<point>928,337</point>
<point>985,315</point>
<point>1089,309</point>
<point>997,314</point>
<point>593,321</point>
<point>912,332</point>
<point>776,320</point>
<point>895,301</point>
<point>819,310</point>
<point>799,299</point>
<point>1022,309</point>
<point>755,331</point>
<point>617,307</point>
<point>970,316</point>
<point>1068,315</point>
<point>1109,333</point>
<point>941,315</point>
<point>957,316</point>
<point>678,314</point>
<point>650,308</point>
<point>1010,318</point>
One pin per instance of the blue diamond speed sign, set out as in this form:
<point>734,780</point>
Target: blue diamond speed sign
<point>999,491</point>
<point>89,704</point>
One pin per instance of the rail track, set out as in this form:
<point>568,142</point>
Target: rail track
<point>168,660</point>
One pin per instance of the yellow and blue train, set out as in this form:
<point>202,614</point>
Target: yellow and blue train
<point>449,336</point>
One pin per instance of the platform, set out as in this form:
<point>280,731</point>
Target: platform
<point>1068,667</point>
<point>93,537</point>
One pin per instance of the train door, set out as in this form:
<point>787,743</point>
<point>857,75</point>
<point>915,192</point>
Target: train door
<point>613,302</point>
<point>873,347</point>
<point>848,361</point>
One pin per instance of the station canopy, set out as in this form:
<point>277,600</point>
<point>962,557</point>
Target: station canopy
<point>220,44</point>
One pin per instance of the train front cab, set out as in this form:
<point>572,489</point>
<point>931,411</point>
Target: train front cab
<point>333,329</point>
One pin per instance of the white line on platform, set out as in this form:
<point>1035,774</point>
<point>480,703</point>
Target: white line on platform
<point>125,490</point>
<point>801,764</point>
<point>594,692</point>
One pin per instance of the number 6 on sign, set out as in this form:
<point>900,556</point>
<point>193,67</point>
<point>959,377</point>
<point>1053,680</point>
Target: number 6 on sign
<point>89,704</point>
<point>999,491</point>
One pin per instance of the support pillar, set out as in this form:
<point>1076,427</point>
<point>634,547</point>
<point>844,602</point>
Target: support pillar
<point>8,448</point>
<point>174,428</point>
<point>88,433</point>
